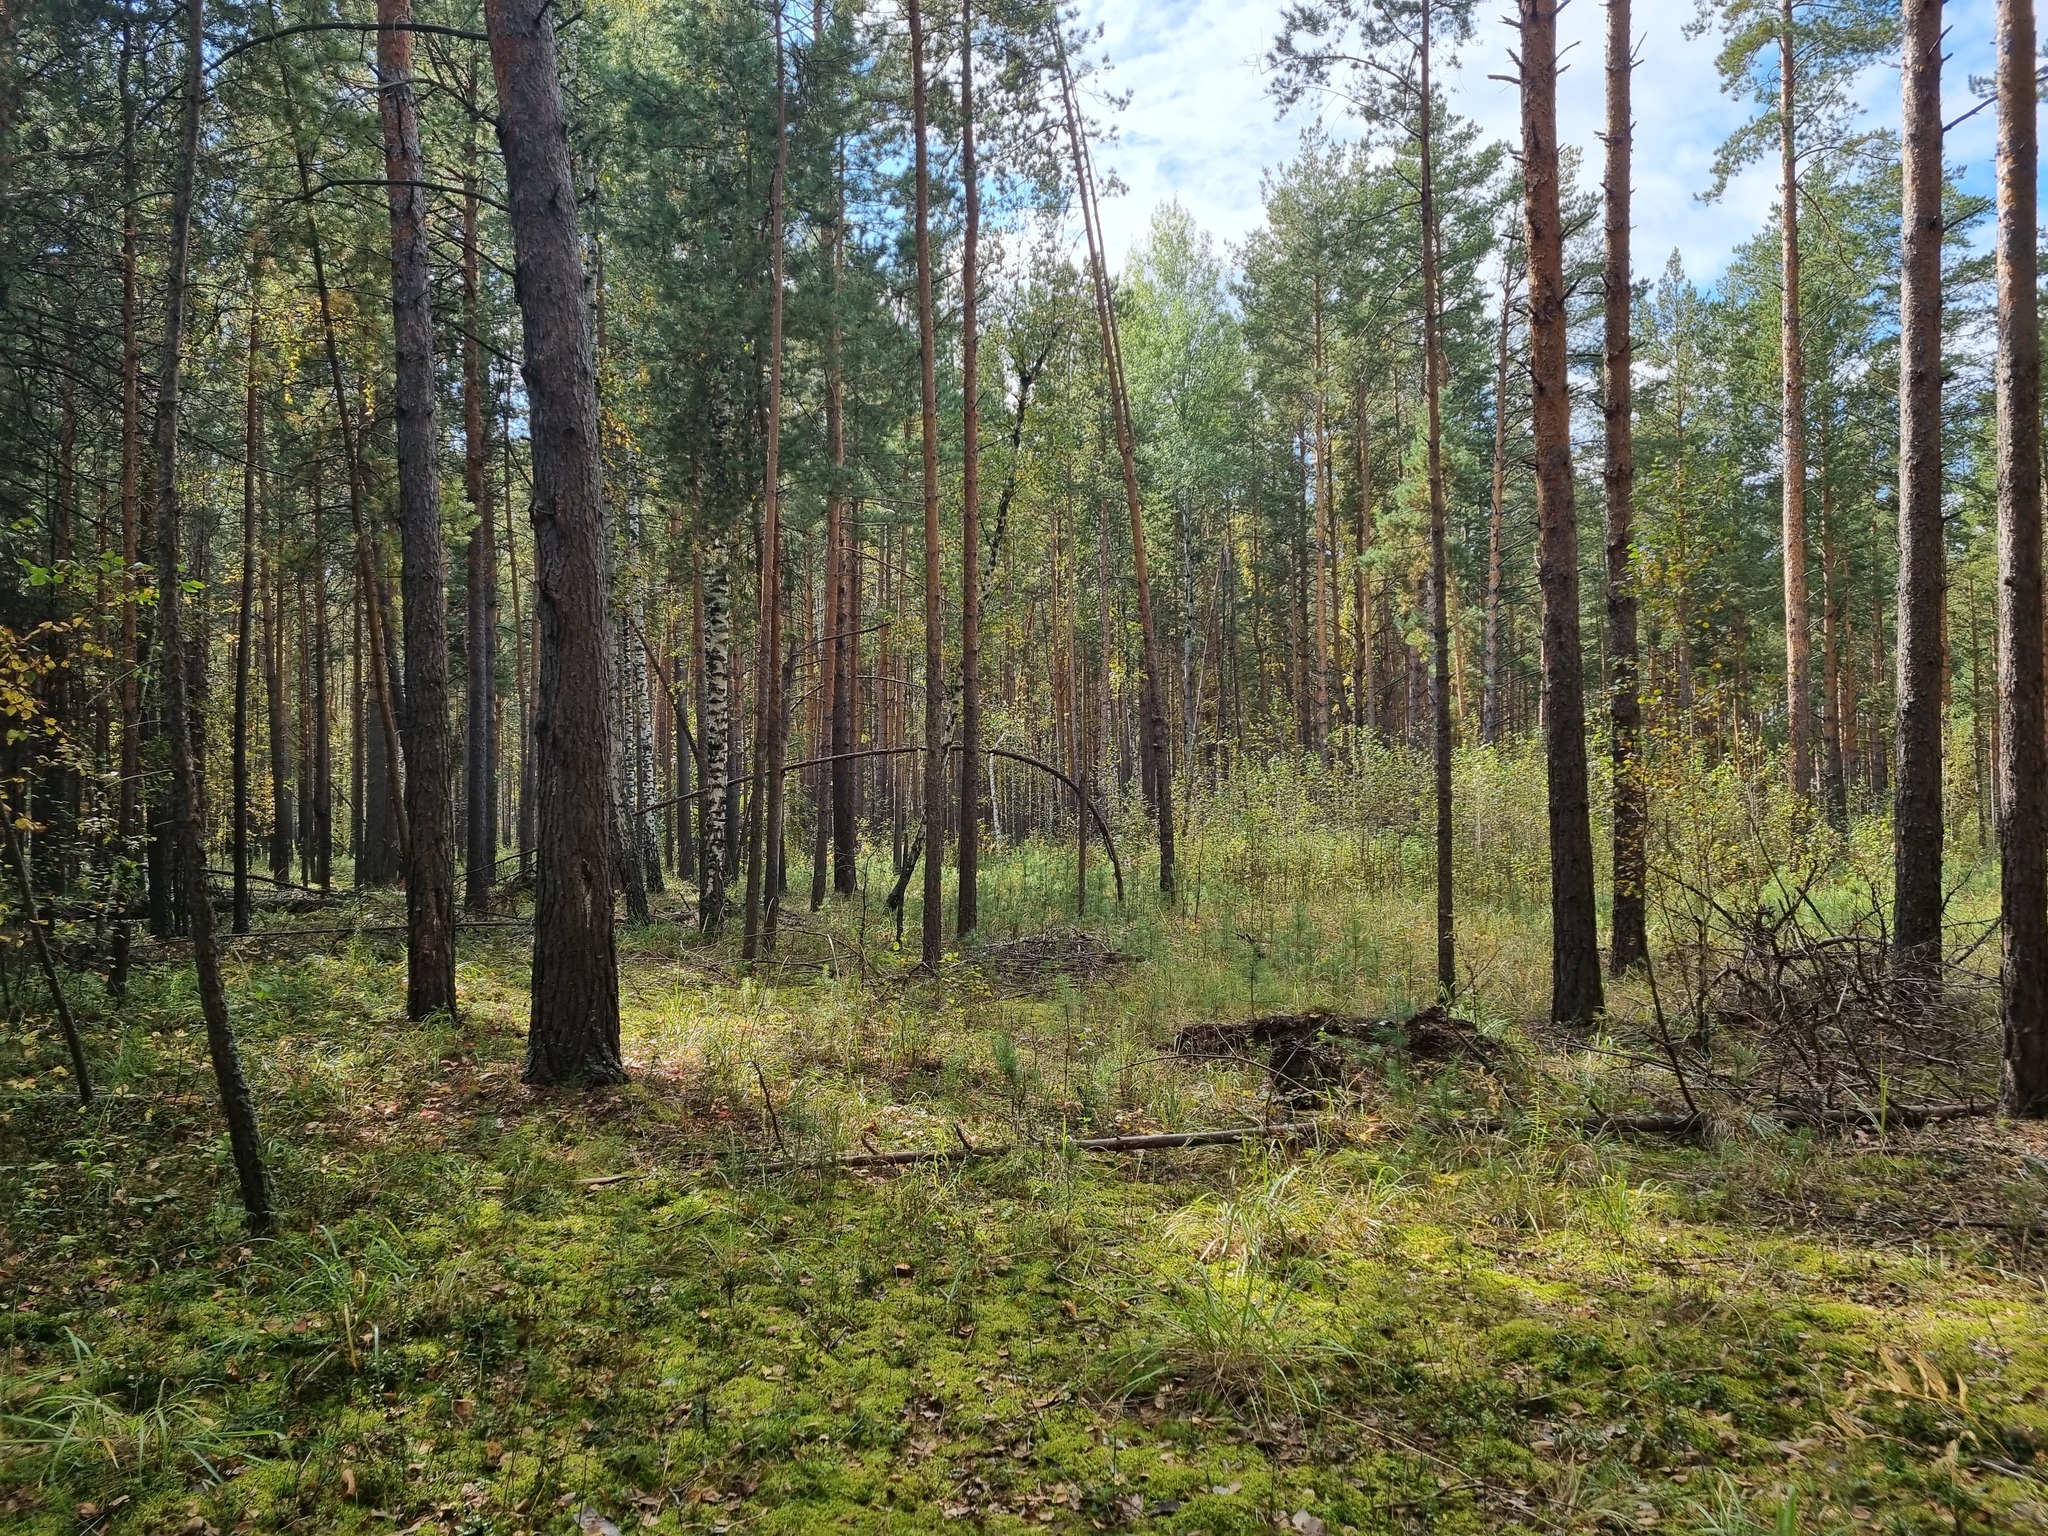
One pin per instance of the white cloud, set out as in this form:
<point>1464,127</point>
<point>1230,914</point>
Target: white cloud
<point>1201,128</point>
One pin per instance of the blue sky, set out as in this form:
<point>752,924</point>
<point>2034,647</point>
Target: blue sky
<point>1200,127</point>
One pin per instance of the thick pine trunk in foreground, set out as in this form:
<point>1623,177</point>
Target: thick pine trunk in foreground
<point>1575,991</point>
<point>1916,802</point>
<point>574,1032</point>
<point>1631,821</point>
<point>429,809</point>
<point>2023,810</point>
<point>238,1103</point>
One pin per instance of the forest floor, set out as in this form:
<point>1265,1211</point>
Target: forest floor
<point>494,1310</point>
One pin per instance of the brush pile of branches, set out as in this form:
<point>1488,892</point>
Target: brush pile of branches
<point>1034,958</point>
<point>1782,1005</point>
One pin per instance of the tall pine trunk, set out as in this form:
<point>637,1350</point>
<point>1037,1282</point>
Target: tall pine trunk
<point>1496,530</point>
<point>764,806</point>
<point>1151,694</point>
<point>238,1102</point>
<point>1439,557</point>
<point>1631,819</point>
<point>1792,363</point>
<point>429,811</point>
<point>2023,812</point>
<point>574,1032</point>
<point>1575,992</point>
<point>480,754</point>
<point>714,728</point>
<point>134,639</point>
<point>935,775</point>
<point>971,766</point>
<point>238,746</point>
<point>283,827</point>
<point>1916,803</point>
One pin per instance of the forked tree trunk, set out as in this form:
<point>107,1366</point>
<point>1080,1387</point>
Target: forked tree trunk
<point>1631,819</point>
<point>574,1033</point>
<point>1916,803</point>
<point>238,1103</point>
<point>1575,992</point>
<point>1792,362</point>
<point>429,812</point>
<point>971,766</point>
<point>2023,812</point>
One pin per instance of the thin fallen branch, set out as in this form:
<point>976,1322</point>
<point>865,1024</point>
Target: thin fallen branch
<point>1906,1116</point>
<point>1162,1141</point>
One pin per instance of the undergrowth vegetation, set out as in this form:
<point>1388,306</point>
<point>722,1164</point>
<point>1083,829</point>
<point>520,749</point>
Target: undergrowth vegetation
<point>1454,1307</point>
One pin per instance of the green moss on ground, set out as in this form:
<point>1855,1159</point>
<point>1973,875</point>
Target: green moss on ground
<point>496,1311</point>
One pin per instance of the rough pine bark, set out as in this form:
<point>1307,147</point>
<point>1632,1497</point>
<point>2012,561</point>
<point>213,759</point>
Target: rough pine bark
<point>574,1032</point>
<point>1631,816</point>
<point>1916,796</point>
<point>1363,715</point>
<point>2023,810</point>
<point>188,811</point>
<point>1575,990</point>
<point>429,807</point>
<point>714,731</point>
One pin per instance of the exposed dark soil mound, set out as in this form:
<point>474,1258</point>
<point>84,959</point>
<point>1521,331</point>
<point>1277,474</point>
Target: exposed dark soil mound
<point>1310,1053</point>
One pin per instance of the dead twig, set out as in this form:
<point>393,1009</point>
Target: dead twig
<point>1163,1141</point>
